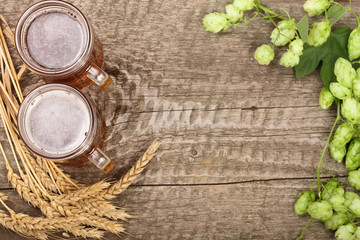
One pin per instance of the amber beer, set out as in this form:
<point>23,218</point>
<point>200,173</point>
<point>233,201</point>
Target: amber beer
<point>56,41</point>
<point>58,122</point>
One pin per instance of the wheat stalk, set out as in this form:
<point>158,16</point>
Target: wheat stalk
<point>10,223</point>
<point>69,224</point>
<point>62,180</point>
<point>7,222</point>
<point>66,204</point>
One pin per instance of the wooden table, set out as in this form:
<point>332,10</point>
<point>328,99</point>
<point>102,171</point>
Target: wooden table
<point>239,140</point>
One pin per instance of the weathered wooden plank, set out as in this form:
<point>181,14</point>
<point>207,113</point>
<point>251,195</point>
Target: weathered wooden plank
<point>217,158</point>
<point>254,210</point>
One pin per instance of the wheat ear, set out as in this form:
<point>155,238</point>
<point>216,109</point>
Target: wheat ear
<point>89,219</point>
<point>7,221</point>
<point>43,176</point>
<point>86,192</point>
<point>131,175</point>
<point>10,223</point>
<point>61,182</point>
<point>69,224</point>
<point>102,208</point>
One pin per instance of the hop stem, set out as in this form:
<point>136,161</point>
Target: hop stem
<point>268,11</point>
<point>338,118</point>
<point>306,227</point>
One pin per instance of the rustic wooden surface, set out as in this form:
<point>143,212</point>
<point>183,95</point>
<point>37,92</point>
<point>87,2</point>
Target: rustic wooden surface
<point>240,140</point>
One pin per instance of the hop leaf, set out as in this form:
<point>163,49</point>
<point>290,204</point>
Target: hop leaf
<point>244,5</point>
<point>233,13</point>
<point>354,179</point>
<point>352,161</point>
<point>264,54</point>
<point>351,109</point>
<point>344,72</point>
<point>316,7</point>
<point>303,201</point>
<point>339,90</point>
<point>345,232</point>
<point>289,59</point>
<point>297,46</point>
<point>354,44</point>
<point>319,33</point>
<point>284,32</point>
<point>325,98</point>
<point>215,22</point>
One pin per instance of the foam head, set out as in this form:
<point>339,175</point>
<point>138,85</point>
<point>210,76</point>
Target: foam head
<point>57,122</point>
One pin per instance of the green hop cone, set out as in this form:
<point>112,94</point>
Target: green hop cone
<point>244,5</point>
<point>354,44</point>
<point>345,73</point>
<point>354,179</point>
<point>338,203</point>
<point>339,191</point>
<point>344,133</point>
<point>346,232</point>
<point>303,201</point>
<point>357,233</point>
<point>352,161</point>
<point>215,22</point>
<point>289,59</point>
<point>233,13</point>
<point>329,187</point>
<point>319,33</point>
<point>350,216</point>
<point>264,54</point>
<point>337,199</point>
<point>354,207</point>
<point>339,91</point>
<point>316,7</point>
<point>356,87</point>
<point>284,32</point>
<point>326,98</point>
<point>350,109</point>
<point>349,198</point>
<point>297,46</point>
<point>337,220</point>
<point>321,210</point>
<point>337,152</point>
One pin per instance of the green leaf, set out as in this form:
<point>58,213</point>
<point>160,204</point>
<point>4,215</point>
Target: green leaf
<point>336,11</point>
<point>303,28</point>
<point>327,54</point>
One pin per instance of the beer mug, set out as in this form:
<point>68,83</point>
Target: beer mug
<point>58,122</point>
<point>55,40</point>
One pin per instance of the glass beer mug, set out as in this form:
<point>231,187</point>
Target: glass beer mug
<point>55,40</point>
<point>60,123</point>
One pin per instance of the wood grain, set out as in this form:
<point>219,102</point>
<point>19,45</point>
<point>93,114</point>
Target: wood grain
<point>240,140</point>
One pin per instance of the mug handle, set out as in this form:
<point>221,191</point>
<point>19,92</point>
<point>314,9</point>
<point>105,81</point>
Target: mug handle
<point>98,76</point>
<point>99,158</point>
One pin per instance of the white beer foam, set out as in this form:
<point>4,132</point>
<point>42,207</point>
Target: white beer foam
<point>55,39</point>
<point>57,121</point>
